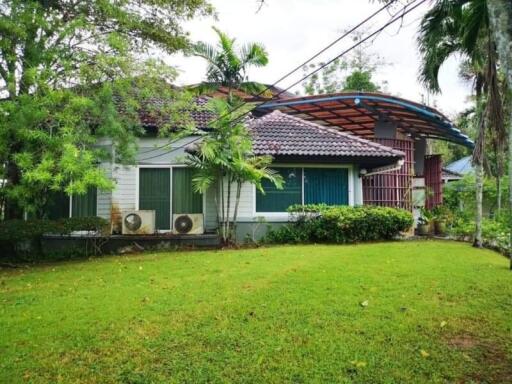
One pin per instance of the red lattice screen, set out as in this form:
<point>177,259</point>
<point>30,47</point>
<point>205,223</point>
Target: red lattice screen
<point>394,188</point>
<point>433,172</point>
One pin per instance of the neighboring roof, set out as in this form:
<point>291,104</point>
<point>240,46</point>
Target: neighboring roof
<point>462,166</point>
<point>278,134</point>
<point>450,175</point>
<point>358,113</point>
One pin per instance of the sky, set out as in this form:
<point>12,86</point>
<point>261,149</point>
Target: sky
<point>293,30</point>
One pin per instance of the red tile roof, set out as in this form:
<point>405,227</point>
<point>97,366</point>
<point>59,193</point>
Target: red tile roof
<point>280,134</point>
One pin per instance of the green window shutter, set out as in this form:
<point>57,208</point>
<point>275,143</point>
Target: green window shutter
<point>278,200</point>
<point>84,205</point>
<point>155,194</point>
<point>326,185</point>
<point>58,206</point>
<point>184,199</point>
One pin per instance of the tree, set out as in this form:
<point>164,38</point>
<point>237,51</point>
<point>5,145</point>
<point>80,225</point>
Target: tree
<point>224,161</point>
<point>500,15</point>
<point>72,72</point>
<point>352,74</point>
<point>451,27</point>
<point>228,64</point>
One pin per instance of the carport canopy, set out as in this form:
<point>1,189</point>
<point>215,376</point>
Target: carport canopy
<point>358,113</point>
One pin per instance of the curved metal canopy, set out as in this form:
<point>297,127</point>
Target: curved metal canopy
<point>359,112</point>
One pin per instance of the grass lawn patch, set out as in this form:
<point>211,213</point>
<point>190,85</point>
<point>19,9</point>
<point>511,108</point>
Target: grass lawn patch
<point>398,312</point>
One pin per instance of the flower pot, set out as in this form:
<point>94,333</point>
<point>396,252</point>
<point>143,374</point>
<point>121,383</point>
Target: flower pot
<point>423,229</point>
<point>440,227</point>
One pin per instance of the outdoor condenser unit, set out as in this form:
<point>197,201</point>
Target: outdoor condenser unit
<point>188,223</point>
<point>138,222</point>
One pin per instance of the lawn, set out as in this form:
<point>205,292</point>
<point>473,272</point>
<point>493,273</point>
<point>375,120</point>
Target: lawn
<point>400,312</point>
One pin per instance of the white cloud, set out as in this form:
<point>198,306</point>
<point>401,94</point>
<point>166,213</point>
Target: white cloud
<point>293,30</point>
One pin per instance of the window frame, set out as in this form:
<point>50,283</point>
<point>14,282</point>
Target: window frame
<point>284,216</point>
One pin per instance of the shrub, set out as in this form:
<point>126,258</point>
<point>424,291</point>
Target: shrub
<point>20,240</point>
<point>495,232</point>
<point>341,224</point>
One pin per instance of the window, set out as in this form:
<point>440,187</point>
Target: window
<point>278,200</point>
<point>84,205</point>
<point>81,205</point>
<point>326,186</point>
<point>304,186</point>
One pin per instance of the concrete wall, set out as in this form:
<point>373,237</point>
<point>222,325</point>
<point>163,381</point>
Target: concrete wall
<point>420,150</point>
<point>385,129</point>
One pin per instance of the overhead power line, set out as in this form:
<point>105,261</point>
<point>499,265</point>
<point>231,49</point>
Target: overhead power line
<point>403,12</point>
<point>300,66</point>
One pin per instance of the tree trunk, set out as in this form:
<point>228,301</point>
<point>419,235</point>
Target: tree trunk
<point>498,194</point>
<point>237,204</point>
<point>479,170</point>
<point>500,17</point>
<point>222,209</point>
<point>228,208</point>
<point>478,162</point>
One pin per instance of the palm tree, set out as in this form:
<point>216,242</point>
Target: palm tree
<point>500,17</point>
<point>224,160</point>
<point>228,64</point>
<point>462,27</point>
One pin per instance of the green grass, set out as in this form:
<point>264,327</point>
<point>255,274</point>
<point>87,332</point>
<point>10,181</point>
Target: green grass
<point>437,312</point>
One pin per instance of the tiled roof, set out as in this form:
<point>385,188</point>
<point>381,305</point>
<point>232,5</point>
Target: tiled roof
<point>200,116</point>
<point>280,134</point>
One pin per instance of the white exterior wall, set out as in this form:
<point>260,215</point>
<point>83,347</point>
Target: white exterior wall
<point>104,198</point>
<point>125,194</point>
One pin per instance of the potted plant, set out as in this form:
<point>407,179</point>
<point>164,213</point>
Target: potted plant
<point>440,216</point>
<point>424,222</point>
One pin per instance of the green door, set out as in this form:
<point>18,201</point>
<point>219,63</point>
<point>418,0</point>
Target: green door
<point>155,194</point>
<point>326,185</point>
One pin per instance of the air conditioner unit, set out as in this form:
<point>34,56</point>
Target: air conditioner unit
<point>188,223</point>
<point>138,222</point>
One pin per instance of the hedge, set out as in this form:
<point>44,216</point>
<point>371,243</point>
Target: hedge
<point>341,224</point>
<point>20,240</point>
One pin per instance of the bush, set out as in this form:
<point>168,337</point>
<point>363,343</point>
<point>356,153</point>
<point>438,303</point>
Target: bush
<point>20,240</point>
<point>495,232</point>
<point>341,224</point>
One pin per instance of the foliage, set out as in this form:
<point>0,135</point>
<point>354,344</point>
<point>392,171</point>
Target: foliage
<point>352,74</point>
<point>73,73</point>
<point>459,196</point>
<point>266,315</point>
<point>228,64</point>
<point>495,231</point>
<point>224,161</point>
<point>21,230</point>
<point>341,224</point>
<point>20,240</point>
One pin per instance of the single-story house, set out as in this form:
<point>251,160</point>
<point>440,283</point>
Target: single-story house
<point>348,148</point>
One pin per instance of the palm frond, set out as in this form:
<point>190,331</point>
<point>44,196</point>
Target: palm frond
<point>254,54</point>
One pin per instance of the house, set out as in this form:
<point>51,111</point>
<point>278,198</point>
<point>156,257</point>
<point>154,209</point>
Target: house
<point>347,148</point>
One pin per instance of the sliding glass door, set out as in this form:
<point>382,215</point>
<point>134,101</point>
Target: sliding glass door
<point>184,199</point>
<point>155,194</point>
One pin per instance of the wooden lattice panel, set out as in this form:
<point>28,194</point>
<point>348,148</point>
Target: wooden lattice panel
<point>433,172</point>
<point>394,188</point>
